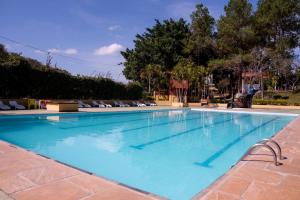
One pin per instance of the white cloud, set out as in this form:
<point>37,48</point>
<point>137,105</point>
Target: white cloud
<point>71,51</point>
<point>39,52</point>
<point>114,27</point>
<point>54,50</point>
<point>108,50</point>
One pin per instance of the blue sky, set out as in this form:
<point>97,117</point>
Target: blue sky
<point>86,36</point>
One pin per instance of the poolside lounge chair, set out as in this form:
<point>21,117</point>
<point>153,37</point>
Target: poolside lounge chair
<point>123,104</point>
<point>16,106</point>
<point>133,104</point>
<point>105,104</point>
<point>3,106</point>
<point>97,105</point>
<point>148,103</point>
<point>116,104</point>
<point>140,104</point>
<point>83,105</point>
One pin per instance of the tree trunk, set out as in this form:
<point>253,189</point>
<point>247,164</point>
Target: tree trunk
<point>149,85</point>
<point>262,85</point>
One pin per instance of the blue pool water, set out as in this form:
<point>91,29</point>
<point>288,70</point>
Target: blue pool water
<point>175,154</point>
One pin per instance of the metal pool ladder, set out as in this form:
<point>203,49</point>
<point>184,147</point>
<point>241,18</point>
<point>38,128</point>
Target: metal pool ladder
<point>264,143</point>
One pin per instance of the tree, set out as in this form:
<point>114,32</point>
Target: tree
<point>187,70</point>
<point>277,24</point>
<point>201,44</point>
<point>295,76</point>
<point>3,54</point>
<point>152,74</point>
<point>162,45</point>
<point>235,32</point>
<point>49,59</point>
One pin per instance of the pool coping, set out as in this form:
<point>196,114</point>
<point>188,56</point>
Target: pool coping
<point>201,195</point>
<point>86,110</point>
<point>242,111</point>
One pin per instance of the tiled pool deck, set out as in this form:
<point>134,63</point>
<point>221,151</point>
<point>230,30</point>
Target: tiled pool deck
<point>25,175</point>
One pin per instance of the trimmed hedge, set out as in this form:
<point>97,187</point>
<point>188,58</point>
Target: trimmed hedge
<point>278,102</point>
<point>22,77</point>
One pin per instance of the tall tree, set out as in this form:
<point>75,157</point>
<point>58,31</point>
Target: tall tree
<point>163,44</point>
<point>201,43</point>
<point>235,32</point>
<point>277,23</point>
<point>152,74</point>
<point>187,70</point>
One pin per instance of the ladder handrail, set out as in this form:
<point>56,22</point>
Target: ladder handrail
<point>277,146</point>
<point>262,145</point>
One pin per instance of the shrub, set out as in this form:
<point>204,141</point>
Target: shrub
<point>28,78</point>
<point>277,96</point>
<point>134,91</point>
<point>280,102</point>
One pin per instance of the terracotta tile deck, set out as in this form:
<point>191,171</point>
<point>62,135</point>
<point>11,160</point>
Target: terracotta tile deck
<point>25,175</point>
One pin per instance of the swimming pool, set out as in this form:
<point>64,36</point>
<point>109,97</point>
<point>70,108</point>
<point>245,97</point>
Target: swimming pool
<point>173,153</point>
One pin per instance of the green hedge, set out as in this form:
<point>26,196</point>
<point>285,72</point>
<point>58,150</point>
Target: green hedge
<point>22,77</point>
<point>279,102</point>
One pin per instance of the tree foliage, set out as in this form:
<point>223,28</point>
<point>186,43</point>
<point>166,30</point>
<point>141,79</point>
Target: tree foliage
<point>201,45</point>
<point>235,31</point>
<point>162,45</point>
<point>24,77</point>
<point>277,24</point>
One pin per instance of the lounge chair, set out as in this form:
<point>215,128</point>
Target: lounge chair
<point>3,106</point>
<point>133,104</point>
<point>16,106</point>
<point>140,104</point>
<point>97,105</point>
<point>123,104</point>
<point>148,103</point>
<point>83,105</point>
<point>116,104</point>
<point>105,104</point>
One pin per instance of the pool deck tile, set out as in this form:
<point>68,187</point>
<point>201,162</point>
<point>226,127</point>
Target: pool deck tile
<point>116,193</point>
<point>25,175</point>
<point>56,190</point>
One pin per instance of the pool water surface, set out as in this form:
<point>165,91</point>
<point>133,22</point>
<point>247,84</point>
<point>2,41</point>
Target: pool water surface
<point>173,153</point>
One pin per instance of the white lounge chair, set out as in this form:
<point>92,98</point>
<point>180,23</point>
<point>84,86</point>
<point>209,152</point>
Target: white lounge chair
<point>83,105</point>
<point>96,104</point>
<point>117,104</point>
<point>140,104</point>
<point>105,104</point>
<point>123,104</point>
<point>16,106</point>
<point>3,106</point>
<point>133,104</point>
<point>148,103</point>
